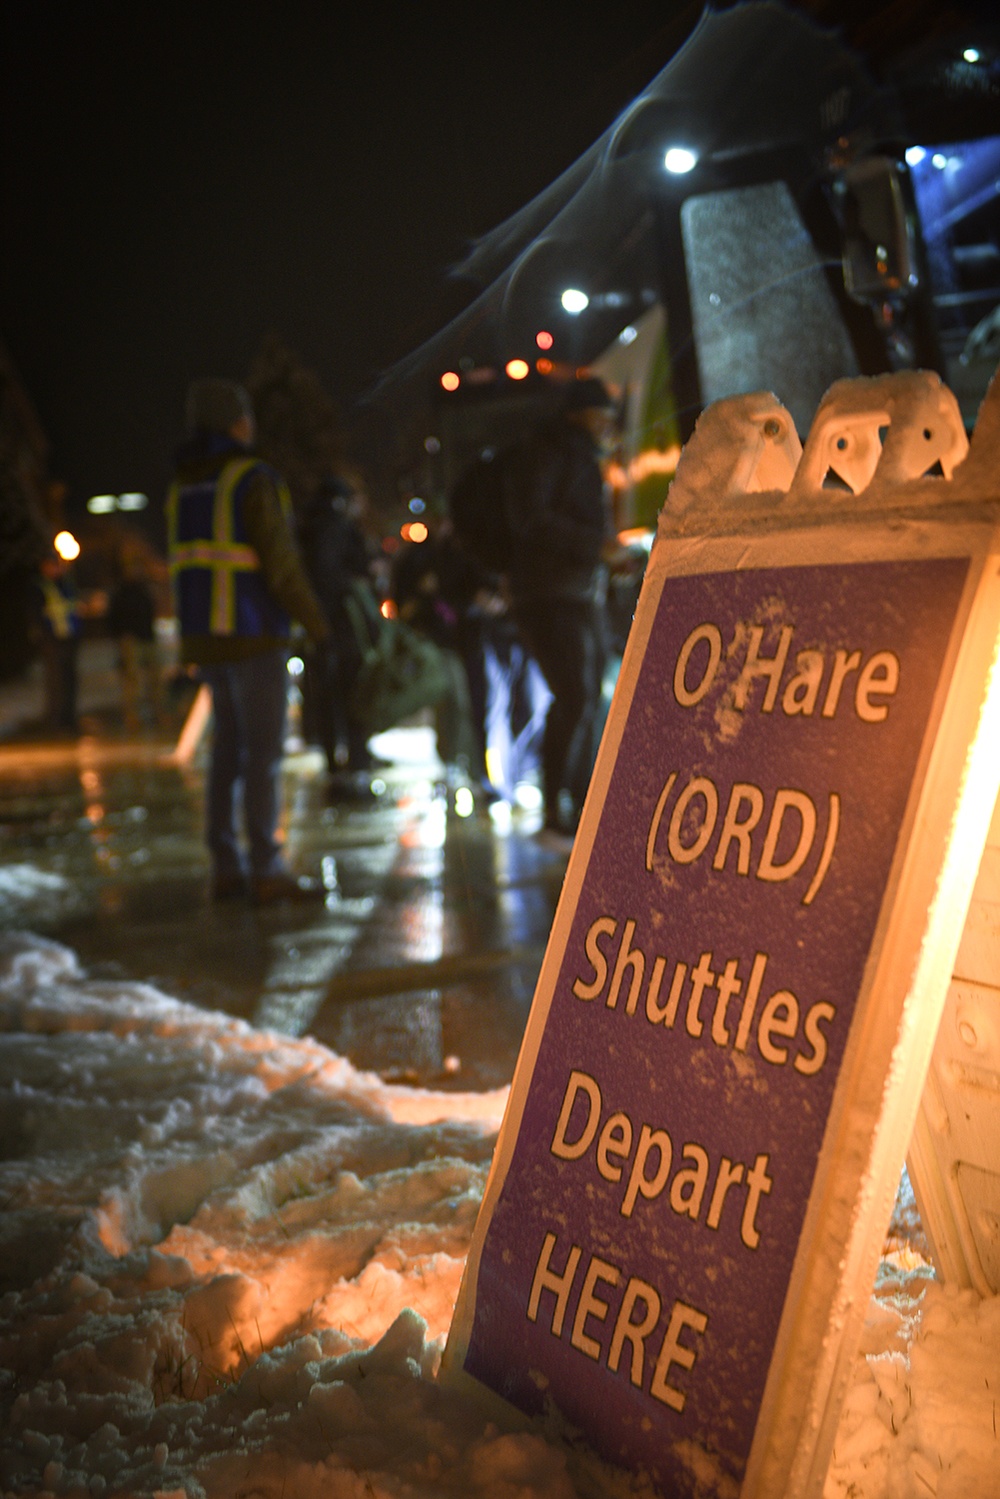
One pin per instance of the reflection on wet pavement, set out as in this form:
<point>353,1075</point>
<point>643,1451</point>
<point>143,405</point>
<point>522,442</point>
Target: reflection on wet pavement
<point>420,965</point>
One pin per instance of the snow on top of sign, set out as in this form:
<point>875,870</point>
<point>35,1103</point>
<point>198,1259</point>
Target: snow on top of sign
<point>875,441</point>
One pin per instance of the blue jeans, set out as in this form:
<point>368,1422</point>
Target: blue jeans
<point>567,638</point>
<point>248,706</point>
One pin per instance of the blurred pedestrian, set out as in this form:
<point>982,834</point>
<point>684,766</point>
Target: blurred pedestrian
<point>239,582</point>
<point>435,585</point>
<point>55,630</point>
<point>131,621</point>
<point>561,521</point>
<point>517,702</point>
<point>337,554</point>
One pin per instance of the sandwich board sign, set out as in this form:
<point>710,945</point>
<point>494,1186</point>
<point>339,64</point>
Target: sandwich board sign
<point>743,983</point>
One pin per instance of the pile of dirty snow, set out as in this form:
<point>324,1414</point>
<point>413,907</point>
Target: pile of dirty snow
<point>228,1262</point>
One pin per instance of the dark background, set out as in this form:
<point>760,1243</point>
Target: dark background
<point>179,181</point>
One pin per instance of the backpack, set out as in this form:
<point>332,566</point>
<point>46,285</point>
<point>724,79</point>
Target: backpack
<point>478,509</point>
<point>401,672</point>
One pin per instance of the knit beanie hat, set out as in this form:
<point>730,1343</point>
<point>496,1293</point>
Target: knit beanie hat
<point>213,405</point>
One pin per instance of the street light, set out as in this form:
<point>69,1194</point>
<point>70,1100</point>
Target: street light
<point>679,160</point>
<point>574,301</point>
<point>66,545</point>
<point>104,504</point>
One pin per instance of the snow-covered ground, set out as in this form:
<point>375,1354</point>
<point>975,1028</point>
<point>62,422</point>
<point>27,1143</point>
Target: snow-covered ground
<point>228,1261</point>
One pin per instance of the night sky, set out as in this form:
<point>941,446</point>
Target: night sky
<point>181,179</point>
<point>178,181</point>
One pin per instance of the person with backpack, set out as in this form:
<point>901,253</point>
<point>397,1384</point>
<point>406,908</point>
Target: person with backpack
<point>509,697</point>
<point>55,626</point>
<point>435,584</point>
<point>131,621</point>
<point>561,529</point>
<point>337,556</point>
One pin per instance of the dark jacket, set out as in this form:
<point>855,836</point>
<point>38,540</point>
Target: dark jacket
<point>335,552</point>
<point>434,584</point>
<point>269,585</point>
<point>555,507</point>
<point>131,610</point>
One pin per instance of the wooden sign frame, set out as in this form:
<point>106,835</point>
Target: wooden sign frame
<point>750,724</point>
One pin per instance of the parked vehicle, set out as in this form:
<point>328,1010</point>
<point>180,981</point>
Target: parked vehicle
<point>763,216</point>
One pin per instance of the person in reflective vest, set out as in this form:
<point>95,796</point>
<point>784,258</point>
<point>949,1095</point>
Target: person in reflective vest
<point>238,583</point>
<point>55,628</point>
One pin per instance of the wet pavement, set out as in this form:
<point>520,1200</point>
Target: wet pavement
<point>421,962</point>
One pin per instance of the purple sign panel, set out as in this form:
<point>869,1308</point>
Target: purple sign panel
<point>636,1264</point>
